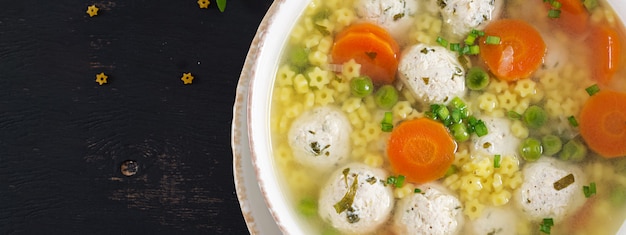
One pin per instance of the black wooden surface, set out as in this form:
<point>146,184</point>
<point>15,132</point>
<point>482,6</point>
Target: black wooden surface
<point>63,137</point>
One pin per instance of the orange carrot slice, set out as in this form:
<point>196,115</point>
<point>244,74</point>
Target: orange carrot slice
<point>421,149</point>
<point>603,123</point>
<point>372,47</point>
<point>519,53</point>
<point>606,50</point>
<point>574,16</point>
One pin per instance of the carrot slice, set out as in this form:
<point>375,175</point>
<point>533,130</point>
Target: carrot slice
<point>606,50</point>
<point>421,149</point>
<point>519,53</point>
<point>603,123</point>
<point>370,46</point>
<point>574,16</point>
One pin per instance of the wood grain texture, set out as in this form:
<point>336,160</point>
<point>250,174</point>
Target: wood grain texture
<point>63,137</point>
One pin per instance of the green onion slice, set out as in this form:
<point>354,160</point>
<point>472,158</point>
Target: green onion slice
<point>496,161</point>
<point>593,89</point>
<point>492,40</point>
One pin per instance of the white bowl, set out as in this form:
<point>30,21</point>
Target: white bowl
<point>256,179</point>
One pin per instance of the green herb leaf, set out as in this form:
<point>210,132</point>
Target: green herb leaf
<point>221,5</point>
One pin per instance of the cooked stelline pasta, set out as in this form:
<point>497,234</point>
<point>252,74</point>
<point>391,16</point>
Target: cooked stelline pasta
<point>509,165</point>
<point>351,104</point>
<point>325,25</point>
<point>402,109</point>
<point>355,120</point>
<point>309,98</point>
<point>473,209</point>
<point>318,58</point>
<point>405,190</point>
<point>351,69</point>
<point>325,44</point>
<point>500,198</point>
<point>323,97</point>
<point>522,105</point>
<point>283,155</point>
<point>284,76</point>
<point>343,17</point>
<point>318,78</point>
<point>570,107</point>
<point>283,124</point>
<point>371,131</point>
<point>294,110</point>
<point>284,95</point>
<point>497,86</point>
<point>312,40</point>
<point>519,130</point>
<point>373,160</point>
<point>300,84</point>
<point>297,34</point>
<point>525,87</point>
<point>549,80</point>
<point>487,101</point>
<point>496,182</point>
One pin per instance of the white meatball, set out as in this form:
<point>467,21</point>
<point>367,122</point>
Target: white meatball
<point>371,202</point>
<point>497,221</point>
<point>461,16</point>
<point>396,16</point>
<point>433,211</point>
<point>537,196</point>
<point>498,140</point>
<point>432,73</point>
<point>320,138</point>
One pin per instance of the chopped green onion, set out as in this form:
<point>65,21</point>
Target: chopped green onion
<point>400,181</point>
<point>221,5</point>
<point>496,161</point>
<point>455,47</point>
<point>551,144</point>
<point>553,13</point>
<point>474,50</point>
<point>361,86</point>
<point>589,190</point>
<point>386,97</point>
<point>443,113</point>
<point>492,40</point>
<point>548,222</point>
<point>451,170</point>
<point>573,150</point>
<point>417,190</point>
<point>535,117</point>
<point>480,128</point>
<point>457,103</point>
<point>556,5</point>
<point>391,180</point>
<point>466,50</point>
<point>470,39</point>
<point>476,79</point>
<point>531,149</point>
<point>593,89</point>
<point>590,4</point>
<point>387,123</point>
<point>513,115</point>
<point>442,42</point>
<point>456,116</point>
<point>463,61</point>
<point>459,132</point>
<point>307,207</point>
<point>546,225</point>
<point>477,32</point>
<point>572,121</point>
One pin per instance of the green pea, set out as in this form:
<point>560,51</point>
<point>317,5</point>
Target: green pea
<point>299,57</point>
<point>459,131</point>
<point>386,96</point>
<point>307,207</point>
<point>476,79</point>
<point>551,144</point>
<point>361,86</point>
<point>535,117</point>
<point>531,149</point>
<point>573,150</point>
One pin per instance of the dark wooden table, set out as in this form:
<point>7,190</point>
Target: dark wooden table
<point>63,137</point>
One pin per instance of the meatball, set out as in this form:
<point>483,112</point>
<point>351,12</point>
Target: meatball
<point>498,140</point>
<point>548,190</point>
<point>396,16</point>
<point>461,16</point>
<point>433,211</point>
<point>496,221</point>
<point>355,200</point>
<point>432,73</point>
<point>320,138</point>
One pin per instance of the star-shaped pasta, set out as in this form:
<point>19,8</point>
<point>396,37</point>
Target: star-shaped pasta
<point>92,10</point>
<point>187,78</point>
<point>204,3</point>
<point>101,78</point>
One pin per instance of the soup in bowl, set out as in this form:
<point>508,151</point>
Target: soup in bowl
<point>441,117</point>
